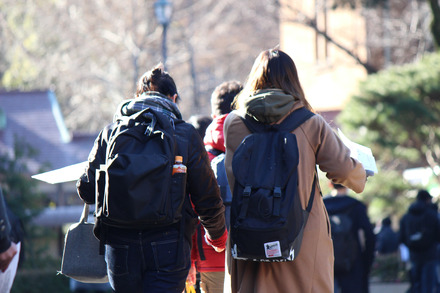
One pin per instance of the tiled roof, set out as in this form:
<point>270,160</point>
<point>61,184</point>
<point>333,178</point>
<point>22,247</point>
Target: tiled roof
<point>36,118</point>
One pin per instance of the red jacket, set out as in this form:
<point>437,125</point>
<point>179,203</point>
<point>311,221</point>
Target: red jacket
<point>214,138</point>
<point>213,261</point>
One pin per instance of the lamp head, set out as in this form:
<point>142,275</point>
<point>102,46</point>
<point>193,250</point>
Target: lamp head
<point>163,10</point>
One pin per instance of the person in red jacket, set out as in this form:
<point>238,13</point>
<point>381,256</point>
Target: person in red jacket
<point>209,263</point>
<point>221,100</point>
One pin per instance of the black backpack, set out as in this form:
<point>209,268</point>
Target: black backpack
<point>135,186</point>
<point>267,220</point>
<point>345,244</point>
<point>419,234</point>
<point>218,166</point>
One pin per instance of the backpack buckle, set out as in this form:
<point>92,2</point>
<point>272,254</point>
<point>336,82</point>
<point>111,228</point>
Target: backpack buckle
<point>246,197</point>
<point>276,201</point>
<point>151,125</point>
<point>247,191</point>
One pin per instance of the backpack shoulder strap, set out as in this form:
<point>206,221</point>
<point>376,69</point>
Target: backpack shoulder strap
<point>312,193</point>
<point>295,119</point>
<point>292,121</point>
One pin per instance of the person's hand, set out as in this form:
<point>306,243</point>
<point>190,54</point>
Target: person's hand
<point>7,256</point>
<point>191,279</point>
<point>218,244</point>
<point>218,249</point>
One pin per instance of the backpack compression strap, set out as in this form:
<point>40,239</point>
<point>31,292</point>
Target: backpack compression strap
<point>292,121</point>
<point>277,197</point>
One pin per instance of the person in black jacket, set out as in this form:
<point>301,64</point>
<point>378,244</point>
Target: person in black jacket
<point>420,232</point>
<point>357,278</point>
<point>8,249</point>
<point>387,241</point>
<point>155,259</point>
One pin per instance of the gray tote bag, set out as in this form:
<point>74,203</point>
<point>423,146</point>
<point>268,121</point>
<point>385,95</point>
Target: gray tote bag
<point>81,258</point>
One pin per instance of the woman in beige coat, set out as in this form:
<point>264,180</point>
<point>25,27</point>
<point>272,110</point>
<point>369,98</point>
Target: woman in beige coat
<point>271,93</point>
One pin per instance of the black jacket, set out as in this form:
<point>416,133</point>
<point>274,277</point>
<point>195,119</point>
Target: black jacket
<point>431,225</point>
<point>359,217</point>
<point>201,182</point>
<point>387,241</point>
<point>5,227</point>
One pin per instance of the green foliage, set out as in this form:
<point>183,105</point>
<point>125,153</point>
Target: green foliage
<point>435,24</point>
<point>386,194</point>
<point>19,189</point>
<point>20,68</point>
<point>352,4</point>
<point>397,113</point>
<point>389,268</point>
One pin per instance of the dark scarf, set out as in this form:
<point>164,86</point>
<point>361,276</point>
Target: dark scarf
<point>153,100</point>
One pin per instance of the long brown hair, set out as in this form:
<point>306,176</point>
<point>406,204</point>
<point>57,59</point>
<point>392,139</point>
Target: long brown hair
<point>273,69</point>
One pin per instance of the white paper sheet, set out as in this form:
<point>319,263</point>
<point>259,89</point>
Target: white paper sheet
<point>361,153</point>
<point>65,174</point>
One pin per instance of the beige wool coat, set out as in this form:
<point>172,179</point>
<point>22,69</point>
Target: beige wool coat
<point>312,270</point>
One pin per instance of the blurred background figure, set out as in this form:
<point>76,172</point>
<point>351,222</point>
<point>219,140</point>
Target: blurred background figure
<point>388,265</point>
<point>221,100</point>
<point>420,232</point>
<point>200,123</point>
<point>387,240</point>
<point>11,237</point>
<point>342,207</point>
<point>209,264</point>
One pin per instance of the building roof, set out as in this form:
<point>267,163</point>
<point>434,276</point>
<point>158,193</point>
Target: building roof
<point>36,118</point>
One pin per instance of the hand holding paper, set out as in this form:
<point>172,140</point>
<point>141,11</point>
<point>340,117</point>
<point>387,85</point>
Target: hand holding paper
<point>361,153</point>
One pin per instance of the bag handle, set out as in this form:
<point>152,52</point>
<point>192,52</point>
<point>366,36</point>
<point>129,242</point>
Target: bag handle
<point>85,214</point>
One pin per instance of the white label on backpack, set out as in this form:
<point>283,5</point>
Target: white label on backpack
<point>272,249</point>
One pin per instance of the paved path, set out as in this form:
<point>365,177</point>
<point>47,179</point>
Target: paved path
<point>388,287</point>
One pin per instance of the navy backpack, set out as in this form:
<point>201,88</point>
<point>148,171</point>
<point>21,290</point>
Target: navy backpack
<point>267,220</point>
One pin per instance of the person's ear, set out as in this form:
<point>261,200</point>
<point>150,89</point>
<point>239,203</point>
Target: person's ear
<point>174,98</point>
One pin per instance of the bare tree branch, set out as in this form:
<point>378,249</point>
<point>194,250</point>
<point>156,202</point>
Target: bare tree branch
<point>303,19</point>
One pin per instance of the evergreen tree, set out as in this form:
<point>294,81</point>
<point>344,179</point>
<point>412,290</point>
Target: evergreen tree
<point>396,112</point>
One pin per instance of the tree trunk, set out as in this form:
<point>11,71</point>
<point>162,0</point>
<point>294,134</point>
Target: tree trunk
<point>435,25</point>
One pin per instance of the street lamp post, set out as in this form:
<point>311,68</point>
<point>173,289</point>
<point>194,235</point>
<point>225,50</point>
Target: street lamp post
<point>163,10</point>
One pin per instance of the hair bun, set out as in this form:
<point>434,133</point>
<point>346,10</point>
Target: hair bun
<point>158,70</point>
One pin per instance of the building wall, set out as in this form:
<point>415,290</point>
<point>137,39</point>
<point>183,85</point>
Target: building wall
<point>328,75</point>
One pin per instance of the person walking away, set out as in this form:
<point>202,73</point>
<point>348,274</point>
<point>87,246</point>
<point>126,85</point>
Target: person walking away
<point>200,123</point>
<point>9,249</point>
<point>221,101</point>
<point>151,255</point>
<point>387,259</point>
<point>210,264</point>
<point>353,241</point>
<point>420,232</point>
<point>271,93</point>
<point>221,105</point>
<point>387,241</point>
